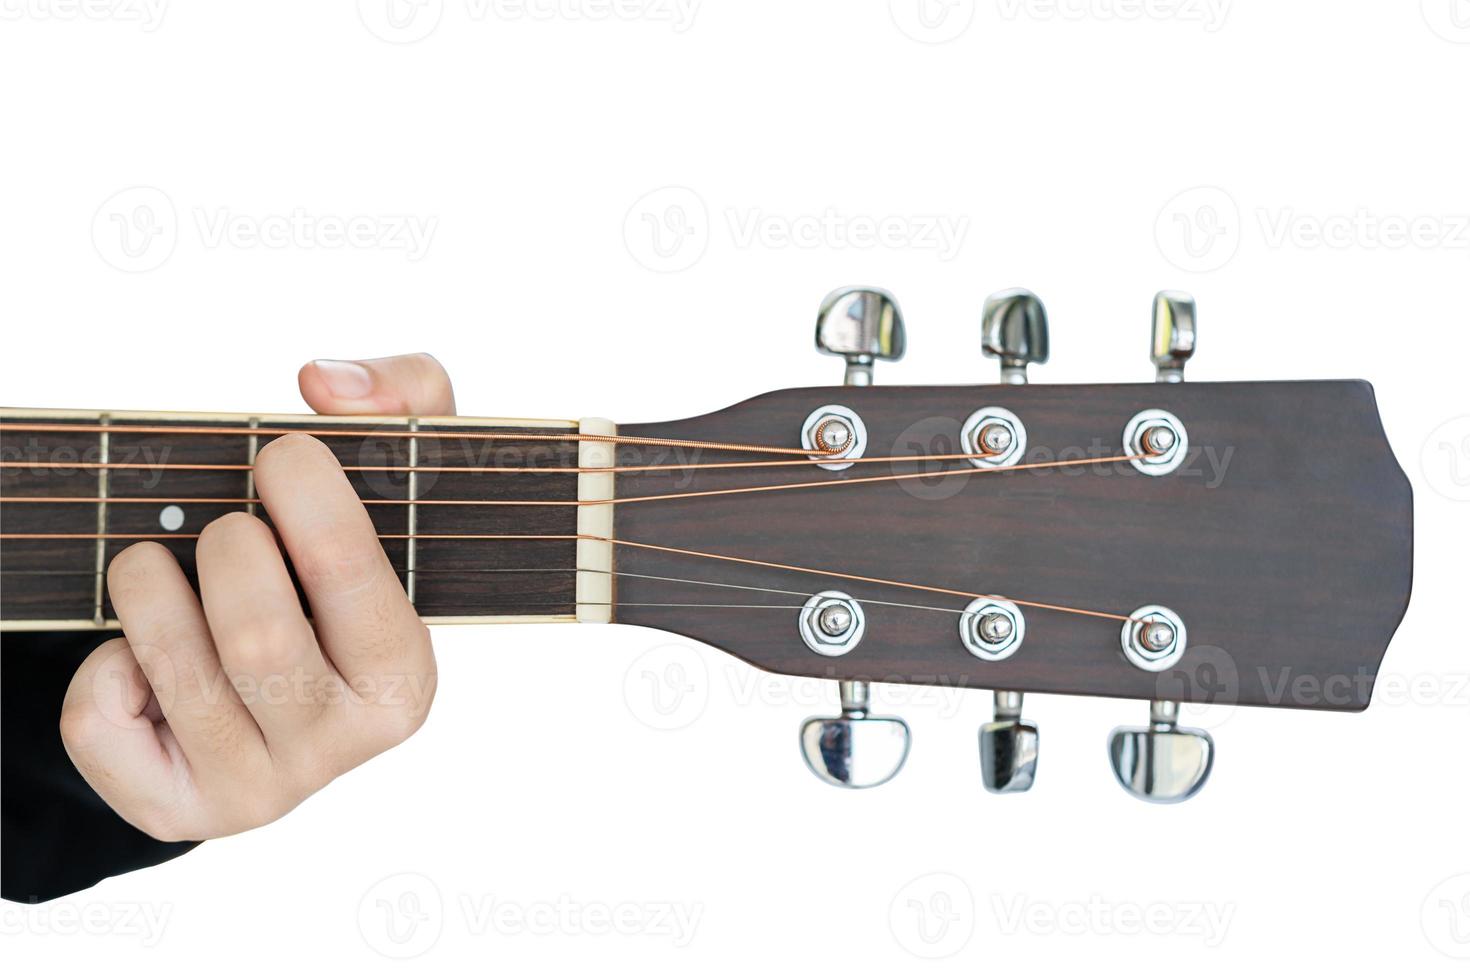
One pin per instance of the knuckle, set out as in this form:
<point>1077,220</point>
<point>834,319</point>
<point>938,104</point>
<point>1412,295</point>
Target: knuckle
<point>267,646</point>
<point>338,562</point>
<point>82,729</point>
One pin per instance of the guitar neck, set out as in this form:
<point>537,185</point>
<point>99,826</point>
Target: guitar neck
<point>478,516</point>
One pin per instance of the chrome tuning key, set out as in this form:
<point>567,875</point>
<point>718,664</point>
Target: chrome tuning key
<point>1008,747</point>
<point>1162,763</point>
<point>1013,329</point>
<point>861,325</point>
<point>1173,337</point>
<point>855,750</point>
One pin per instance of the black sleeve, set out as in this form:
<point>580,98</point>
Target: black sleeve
<point>56,835</point>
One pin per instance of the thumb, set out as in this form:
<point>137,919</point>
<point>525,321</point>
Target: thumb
<point>411,384</point>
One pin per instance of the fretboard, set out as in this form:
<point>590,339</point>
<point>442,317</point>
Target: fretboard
<point>133,479</point>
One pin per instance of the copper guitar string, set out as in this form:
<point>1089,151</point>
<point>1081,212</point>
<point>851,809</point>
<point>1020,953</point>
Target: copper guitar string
<point>725,491</point>
<point>686,552</point>
<point>522,436</point>
<point>549,470</point>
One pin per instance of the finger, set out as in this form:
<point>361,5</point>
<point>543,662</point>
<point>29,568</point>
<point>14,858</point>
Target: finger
<point>412,384</point>
<point>108,735</point>
<point>370,631</point>
<point>265,643</point>
<point>171,642</point>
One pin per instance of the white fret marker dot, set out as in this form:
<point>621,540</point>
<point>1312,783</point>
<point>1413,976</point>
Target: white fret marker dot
<point>171,518</point>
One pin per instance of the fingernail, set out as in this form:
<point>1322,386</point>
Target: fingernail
<point>346,379</point>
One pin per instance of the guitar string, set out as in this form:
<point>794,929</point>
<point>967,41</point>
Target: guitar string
<point>726,491</point>
<point>521,436</point>
<point>622,542</point>
<point>540,470</point>
<point>618,574</point>
<point>567,437</point>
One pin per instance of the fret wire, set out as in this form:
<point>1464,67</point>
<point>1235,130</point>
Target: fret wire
<point>102,477</point>
<point>251,448</point>
<point>413,489</point>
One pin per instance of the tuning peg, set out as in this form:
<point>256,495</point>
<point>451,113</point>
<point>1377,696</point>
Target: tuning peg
<point>1162,763</point>
<point>1013,328</point>
<point>1008,747</point>
<point>1174,332</point>
<point>860,324</point>
<point>855,750</point>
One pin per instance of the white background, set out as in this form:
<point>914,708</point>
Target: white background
<point>1067,144</point>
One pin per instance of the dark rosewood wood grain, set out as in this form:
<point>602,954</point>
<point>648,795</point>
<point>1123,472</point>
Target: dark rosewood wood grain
<point>1285,544</point>
<point>55,579</point>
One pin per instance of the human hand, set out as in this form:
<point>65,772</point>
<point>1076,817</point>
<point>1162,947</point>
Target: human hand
<point>221,711</point>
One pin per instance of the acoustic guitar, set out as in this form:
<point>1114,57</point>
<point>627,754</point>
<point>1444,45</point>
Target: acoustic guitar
<point>1242,543</point>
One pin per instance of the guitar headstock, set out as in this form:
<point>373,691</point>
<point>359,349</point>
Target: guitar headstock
<point>1247,543</point>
